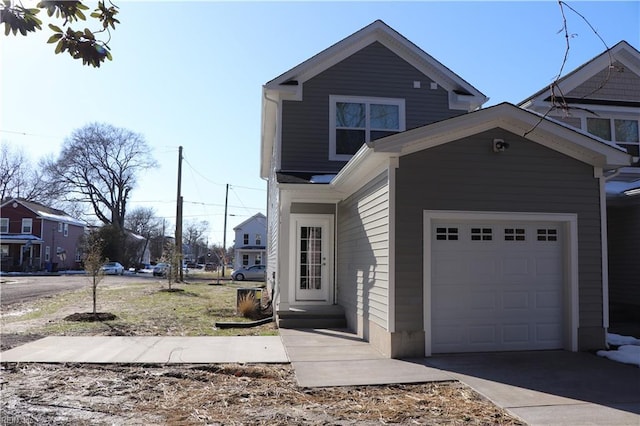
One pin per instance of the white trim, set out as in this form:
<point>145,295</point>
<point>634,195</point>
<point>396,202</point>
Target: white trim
<point>4,225</point>
<point>368,101</point>
<point>570,222</point>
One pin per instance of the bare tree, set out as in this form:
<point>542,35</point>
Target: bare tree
<point>143,221</point>
<point>193,237</point>
<point>93,263</point>
<point>20,178</point>
<point>98,166</point>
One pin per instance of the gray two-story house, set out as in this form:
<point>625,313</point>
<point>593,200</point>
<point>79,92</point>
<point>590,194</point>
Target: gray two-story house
<point>430,225</point>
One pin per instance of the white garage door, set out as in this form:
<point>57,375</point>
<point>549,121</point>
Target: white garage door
<point>496,286</point>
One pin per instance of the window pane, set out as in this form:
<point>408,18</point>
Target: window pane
<point>349,141</point>
<point>385,117</point>
<point>626,130</point>
<point>600,127</point>
<point>350,115</point>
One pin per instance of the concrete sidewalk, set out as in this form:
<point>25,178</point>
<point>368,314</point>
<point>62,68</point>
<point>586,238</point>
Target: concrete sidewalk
<point>541,387</point>
<point>150,350</point>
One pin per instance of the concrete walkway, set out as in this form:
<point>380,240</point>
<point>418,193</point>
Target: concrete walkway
<point>541,387</point>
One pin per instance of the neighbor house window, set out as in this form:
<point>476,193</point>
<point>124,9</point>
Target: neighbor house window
<point>258,260</point>
<point>78,255</point>
<point>621,131</point>
<point>47,254</point>
<point>4,225</point>
<point>245,239</point>
<point>258,239</point>
<point>355,121</point>
<point>59,226</point>
<point>245,260</point>
<point>4,250</point>
<point>27,226</point>
<point>66,229</point>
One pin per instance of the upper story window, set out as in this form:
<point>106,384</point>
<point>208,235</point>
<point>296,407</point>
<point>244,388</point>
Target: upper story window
<point>621,131</point>
<point>66,230</point>
<point>27,226</point>
<point>354,121</point>
<point>4,225</point>
<point>258,239</point>
<point>59,226</point>
<point>245,239</point>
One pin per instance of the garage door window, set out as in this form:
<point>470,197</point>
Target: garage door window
<point>514,234</point>
<point>547,235</point>
<point>481,234</point>
<point>443,234</point>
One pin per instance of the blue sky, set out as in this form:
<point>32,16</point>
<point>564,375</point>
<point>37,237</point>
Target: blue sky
<point>191,73</point>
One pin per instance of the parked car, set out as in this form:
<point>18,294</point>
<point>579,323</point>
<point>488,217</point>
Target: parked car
<point>112,268</point>
<point>251,273</point>
<point>161,269</point>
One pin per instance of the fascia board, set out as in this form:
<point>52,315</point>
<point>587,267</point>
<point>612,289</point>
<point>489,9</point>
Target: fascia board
<point>268,130</point>
<point>515,120</point>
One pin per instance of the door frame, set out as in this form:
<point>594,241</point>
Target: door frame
<point>329,241</point>
<point>569,222</point>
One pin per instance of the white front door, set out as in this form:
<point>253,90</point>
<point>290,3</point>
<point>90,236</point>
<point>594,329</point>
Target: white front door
<point>312,263</point>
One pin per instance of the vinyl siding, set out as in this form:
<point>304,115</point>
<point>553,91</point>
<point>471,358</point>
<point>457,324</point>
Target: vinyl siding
<point>273,220</point>
<point>363,252</point>
<point>620,84</point>
<point>374,71</point>
<point>624,255</point>
<point>467,175</point>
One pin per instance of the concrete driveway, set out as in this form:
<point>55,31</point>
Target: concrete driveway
<point>551,387</point>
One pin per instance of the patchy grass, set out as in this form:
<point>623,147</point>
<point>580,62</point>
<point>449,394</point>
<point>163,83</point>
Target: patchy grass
<point>141,309</point>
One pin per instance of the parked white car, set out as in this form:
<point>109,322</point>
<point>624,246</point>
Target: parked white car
<point>251,273</point>
<point>112,268</point>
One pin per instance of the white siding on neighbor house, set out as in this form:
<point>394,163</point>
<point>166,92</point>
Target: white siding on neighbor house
<point>363,253</point>
<point>273,218</point>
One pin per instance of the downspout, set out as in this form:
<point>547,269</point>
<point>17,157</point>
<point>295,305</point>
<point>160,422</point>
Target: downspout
<point>604,245</point>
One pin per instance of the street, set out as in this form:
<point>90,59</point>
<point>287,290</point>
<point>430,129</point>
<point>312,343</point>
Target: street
<point>18,289</point>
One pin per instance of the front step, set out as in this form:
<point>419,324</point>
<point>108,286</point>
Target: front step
<point>331,316</point>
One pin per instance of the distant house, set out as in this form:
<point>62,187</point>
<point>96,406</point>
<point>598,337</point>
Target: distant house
<point>250,241</point>
<point>34,237</point>
<point>602,98</point>
<point>427,224</point>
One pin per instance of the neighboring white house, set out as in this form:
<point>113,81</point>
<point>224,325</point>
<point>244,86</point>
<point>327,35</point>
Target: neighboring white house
<point>250,241</point>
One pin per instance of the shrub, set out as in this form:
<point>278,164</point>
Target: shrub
<point>248,306</point>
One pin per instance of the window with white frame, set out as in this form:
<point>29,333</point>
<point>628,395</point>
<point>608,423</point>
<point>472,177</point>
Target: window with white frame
<point>47,254</point>
<point>4,225</point>
<point>59,226</point>
<point>4,250</point>
<point>245,239</point>
<point>258,239</point>
<point>78,257</point>
<point>357,120</point>
<point>258,260</point>
<point>66,230</point>
<point>27,226</point>
<point>624,132</point>
<point>245,260</point>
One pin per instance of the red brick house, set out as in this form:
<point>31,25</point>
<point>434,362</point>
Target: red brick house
<point>34,237</point>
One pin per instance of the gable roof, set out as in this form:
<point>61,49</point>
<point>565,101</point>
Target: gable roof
<point>289,84</point>
<point>565,139</point>
<point>255,217</point>
<point>622,52</point>
<point>394,41</point>
<point>45,212</point>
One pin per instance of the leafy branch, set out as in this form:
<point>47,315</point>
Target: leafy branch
<point>80,44</point>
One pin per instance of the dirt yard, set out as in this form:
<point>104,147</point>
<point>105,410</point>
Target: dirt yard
<point>230,394</point>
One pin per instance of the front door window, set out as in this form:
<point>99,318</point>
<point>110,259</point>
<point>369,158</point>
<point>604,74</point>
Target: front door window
<point>312,267</point>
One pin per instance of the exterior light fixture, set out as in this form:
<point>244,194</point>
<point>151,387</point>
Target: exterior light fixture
<point>499,145</point>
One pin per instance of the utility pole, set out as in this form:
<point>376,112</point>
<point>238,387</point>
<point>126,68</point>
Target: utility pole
<point>224,232</point>
<point>179,217</point>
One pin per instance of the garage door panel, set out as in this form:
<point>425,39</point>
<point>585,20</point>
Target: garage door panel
<point>502,293</point>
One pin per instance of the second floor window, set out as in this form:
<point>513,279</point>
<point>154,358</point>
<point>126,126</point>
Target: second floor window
<point>66,230</point>
<point>4,225</point>
<point>245,239</point>
<point>623,132</point>
<point>258,239</point>
<point>27,226</point>
<point>355,121</point>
